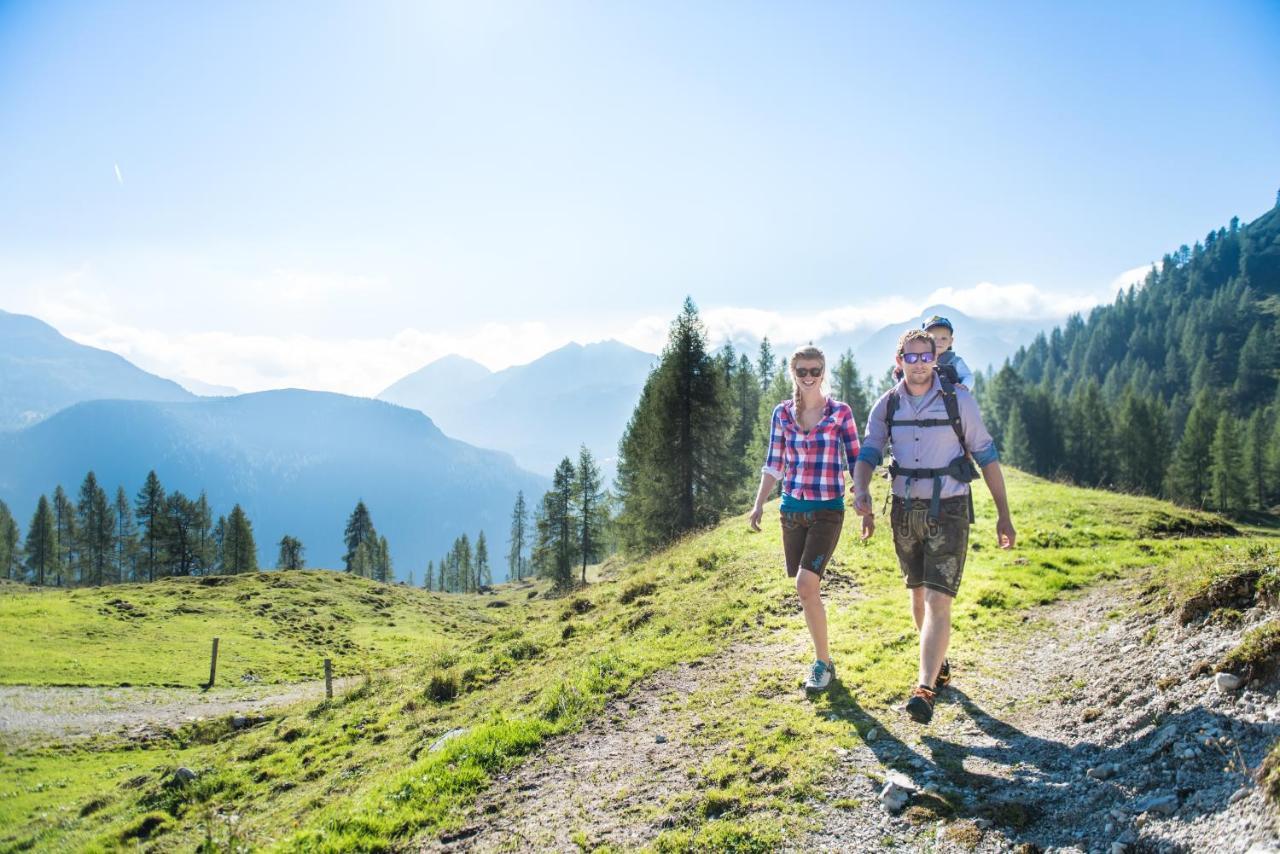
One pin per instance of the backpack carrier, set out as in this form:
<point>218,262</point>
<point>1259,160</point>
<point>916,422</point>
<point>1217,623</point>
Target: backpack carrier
<point>962,468</point>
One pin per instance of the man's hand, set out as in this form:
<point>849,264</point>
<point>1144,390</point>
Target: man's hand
<point>754,518</point>
<point>868,526</point>
<point>1005,535</point>
<point>862,504</point>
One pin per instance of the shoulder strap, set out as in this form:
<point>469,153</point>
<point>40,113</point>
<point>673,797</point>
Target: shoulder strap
<point>952,404</point>
<point>890,408</point>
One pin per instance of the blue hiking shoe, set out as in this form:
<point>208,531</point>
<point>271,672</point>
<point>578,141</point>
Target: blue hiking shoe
<point>820,675</point>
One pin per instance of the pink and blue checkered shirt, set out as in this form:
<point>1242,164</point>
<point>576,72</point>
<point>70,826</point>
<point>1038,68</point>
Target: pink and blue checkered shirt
<point>810,465</point>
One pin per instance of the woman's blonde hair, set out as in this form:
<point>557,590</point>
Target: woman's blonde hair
<point>807,352</point>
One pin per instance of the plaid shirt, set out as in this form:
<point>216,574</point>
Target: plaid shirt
<point>810,465</point>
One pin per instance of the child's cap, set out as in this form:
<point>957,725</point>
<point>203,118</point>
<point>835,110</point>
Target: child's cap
<point>938,320</point>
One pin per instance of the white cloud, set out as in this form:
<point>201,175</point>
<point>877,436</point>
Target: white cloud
<point>119,177</point>
<point>1136,276</point>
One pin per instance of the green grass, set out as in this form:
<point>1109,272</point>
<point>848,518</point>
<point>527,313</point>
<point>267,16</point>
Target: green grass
<point>272,627</point>
<point>358,773</point>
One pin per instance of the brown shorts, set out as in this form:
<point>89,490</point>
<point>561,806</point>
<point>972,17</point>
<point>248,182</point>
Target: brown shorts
<point>808,539</point>
<point>931,552</point>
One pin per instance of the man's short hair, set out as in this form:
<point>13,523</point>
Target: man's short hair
<point>916,335</point>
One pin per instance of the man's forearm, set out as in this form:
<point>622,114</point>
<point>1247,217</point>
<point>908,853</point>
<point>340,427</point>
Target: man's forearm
<point>862,477</point>
<point>992,474</point>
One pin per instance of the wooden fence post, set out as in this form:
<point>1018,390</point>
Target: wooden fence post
<point>213,663</point>
<point>328,679</point>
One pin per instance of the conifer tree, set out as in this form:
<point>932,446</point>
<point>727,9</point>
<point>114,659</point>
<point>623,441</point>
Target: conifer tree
<point>1017,447</point>
<point>240,554</point>
<point>484,575</point>
<point>220,546</point>
<point>745,399</point>
<point>149,508</point>
<point>588,510</point>
<point>64,518</point>
<point>556,547</point>
<point>180,537</point>
<point>359,530</point>
<point>1088,436</point>
<point>202,534</point>
<point>1141,443</point>
<point>385,572</point>
<point>848,385</point>
<point>1189,470</point>
<point>10,545</point>
<point>96,529</point>
<point>673,457</point>
<point>1273,461</point>
<point>463,567</point>
<point>42,544</point>
<point>126,539</point>
<point>1254,461</point>
<point>1227,482</point>
<point>519,536</point>
<point>766,365</point>
<point>291,553</point>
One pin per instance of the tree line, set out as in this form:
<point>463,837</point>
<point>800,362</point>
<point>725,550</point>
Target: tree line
<point>96,540</point>
<point>1173,390</point>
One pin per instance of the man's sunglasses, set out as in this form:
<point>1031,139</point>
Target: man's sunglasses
<point>808,372</point>
<point>912,358</point>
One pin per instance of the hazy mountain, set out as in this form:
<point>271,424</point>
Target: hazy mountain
<point>41,372</point>
<point>297,461</point>
<point>539,412</point>
<point>980,342</point>
<point>205,389</point>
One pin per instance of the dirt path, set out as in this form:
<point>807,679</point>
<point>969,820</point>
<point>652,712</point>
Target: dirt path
<point>31,715</point>
<point>1087,734</point>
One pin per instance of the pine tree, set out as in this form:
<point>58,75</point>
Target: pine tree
<point>1227,482</point>
<point>1017,447</point>
<point>240,554</point>
<point>674,474</point>
<point>766,365</point>
<point>1141,443</point>
<point>556,546</point>
<point>1273,461</point>
<point>180,538</point>
<point>849,386</point>
<point>362,561</point>
<point>42,544</point>
<point>1254,461</point>
<point>745,397</point>
<point>220,546</point>
<point>463,565</point>
<point>1088,436</point>
<point>1188,476</point>
<point>10,545</point>
<point>382,559</point>
<point>202,534</point>
<point>64,520</point>
<point>126,539</point>
<point>428,577</point>
<point>96,529</point>
<point>359,530</point>
<point>291,553</point>
<point>149,507</point>
<point>588,509</point>
<point>484,575</point>
<point>516,561</point>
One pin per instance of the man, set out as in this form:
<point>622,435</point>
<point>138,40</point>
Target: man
<point>934,428</point>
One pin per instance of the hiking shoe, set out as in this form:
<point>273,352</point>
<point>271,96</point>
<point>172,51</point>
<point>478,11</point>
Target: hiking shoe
<point>920,706</point>
<point>944,677</point>
<point>819,676</point>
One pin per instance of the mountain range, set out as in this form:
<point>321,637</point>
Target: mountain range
<point>296,461</point>
<point>540,412</point>
<point>41,372</point>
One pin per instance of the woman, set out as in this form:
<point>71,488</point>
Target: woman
<point>805,443</point>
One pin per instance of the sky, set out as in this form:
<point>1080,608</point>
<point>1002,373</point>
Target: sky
<point>330,195</point>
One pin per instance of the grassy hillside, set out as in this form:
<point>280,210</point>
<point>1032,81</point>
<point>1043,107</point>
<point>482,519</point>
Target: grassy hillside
<point>360,773</point>
<point>271,626</point>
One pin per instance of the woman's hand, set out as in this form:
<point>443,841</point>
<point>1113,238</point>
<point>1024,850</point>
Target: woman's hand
<point>754,518</point>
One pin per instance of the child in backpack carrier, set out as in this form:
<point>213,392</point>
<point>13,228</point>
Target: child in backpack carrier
<point>948,364</point>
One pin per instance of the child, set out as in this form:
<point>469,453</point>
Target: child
<point>950,365</point>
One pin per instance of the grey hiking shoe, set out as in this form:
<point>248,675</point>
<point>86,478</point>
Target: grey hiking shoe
<point>819,676</point>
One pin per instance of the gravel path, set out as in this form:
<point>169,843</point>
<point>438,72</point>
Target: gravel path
<point>30,715</point>
<point>1060,739</point>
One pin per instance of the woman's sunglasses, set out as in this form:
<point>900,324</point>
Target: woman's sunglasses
<point>808,372</point>
<point>912,358</point>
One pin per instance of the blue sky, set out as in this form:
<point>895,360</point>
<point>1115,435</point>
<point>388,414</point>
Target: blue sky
<point>329,195</point>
